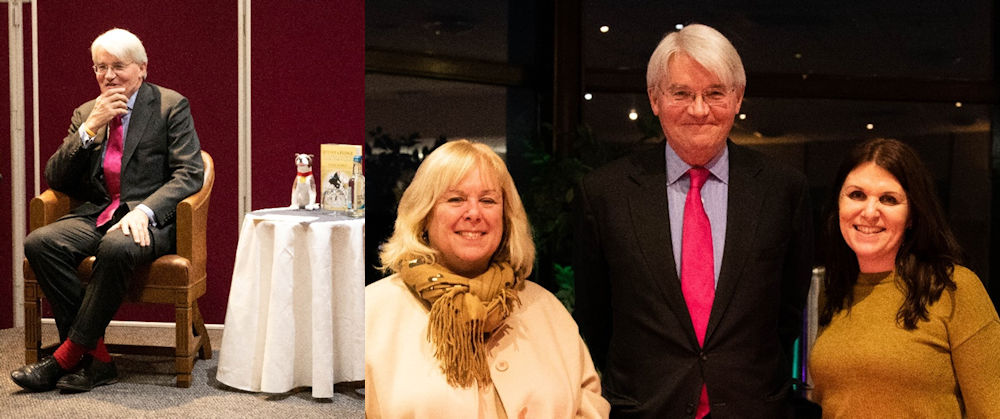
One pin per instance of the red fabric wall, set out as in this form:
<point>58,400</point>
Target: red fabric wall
<point>6,270</point>
<point>192,48</point>
<point>308,87</point>
<point>307,82</point>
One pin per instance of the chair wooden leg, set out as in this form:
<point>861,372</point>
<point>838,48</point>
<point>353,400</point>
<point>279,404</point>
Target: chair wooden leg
<point>183,353</point>
<point>204,343</point>
<point>32,322</point>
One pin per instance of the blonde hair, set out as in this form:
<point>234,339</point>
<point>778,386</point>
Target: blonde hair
<point>442,169</point>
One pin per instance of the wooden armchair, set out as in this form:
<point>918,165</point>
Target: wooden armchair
<point>178,279</point>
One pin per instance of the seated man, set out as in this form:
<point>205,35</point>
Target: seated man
<point>131,156</point>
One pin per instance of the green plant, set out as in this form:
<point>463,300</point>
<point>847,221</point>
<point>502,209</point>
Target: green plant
<point>566,285</point>
<point>550,199</point>
<point>391,163</point>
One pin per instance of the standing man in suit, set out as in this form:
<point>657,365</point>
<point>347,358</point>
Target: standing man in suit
<point>131,156</point>
<point>692,265</point>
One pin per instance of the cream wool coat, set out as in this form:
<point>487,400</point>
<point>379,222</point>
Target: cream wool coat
<point>539,365</point>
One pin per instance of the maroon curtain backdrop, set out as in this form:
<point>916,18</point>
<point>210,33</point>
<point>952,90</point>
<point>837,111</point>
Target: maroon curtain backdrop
<point>308,77</point>
<point>6,269</point>
<point>192,48</point>
<point>308,87</point>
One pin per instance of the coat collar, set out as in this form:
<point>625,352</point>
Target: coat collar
<point>142,110</point>
<point>651,222</point>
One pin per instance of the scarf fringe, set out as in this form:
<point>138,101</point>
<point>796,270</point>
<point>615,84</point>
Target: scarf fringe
<point>460,341</point>
<point>464,312</point>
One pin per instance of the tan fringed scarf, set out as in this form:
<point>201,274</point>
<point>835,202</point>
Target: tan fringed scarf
<point>463,313</point>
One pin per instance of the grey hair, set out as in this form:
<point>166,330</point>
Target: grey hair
<point>705,45</point>
<point>122,44</point>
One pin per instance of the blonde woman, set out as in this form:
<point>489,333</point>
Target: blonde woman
<point>457,330</point>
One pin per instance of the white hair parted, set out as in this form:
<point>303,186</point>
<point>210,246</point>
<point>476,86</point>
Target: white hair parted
<point>705,45</point>
<point>122,44</point>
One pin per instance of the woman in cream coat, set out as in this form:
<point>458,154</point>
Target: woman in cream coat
<point>457,331</point>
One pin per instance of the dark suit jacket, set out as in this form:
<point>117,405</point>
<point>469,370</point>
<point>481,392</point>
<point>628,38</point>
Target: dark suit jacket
<point>161,162</point>
<point>631,310</point>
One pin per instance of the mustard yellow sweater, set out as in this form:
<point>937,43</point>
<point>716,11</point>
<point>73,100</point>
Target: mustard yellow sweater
<point>864,365</point>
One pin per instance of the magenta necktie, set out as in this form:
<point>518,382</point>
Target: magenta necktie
<point>697,266</point>
<point>113,168</point>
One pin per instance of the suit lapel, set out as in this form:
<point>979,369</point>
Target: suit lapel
<point>651,223</point>
<point>142,111</point>
<point>745,197</point>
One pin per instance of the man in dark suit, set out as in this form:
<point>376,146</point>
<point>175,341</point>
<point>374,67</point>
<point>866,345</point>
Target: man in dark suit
<point>131,156</point>
<point>690,294</point>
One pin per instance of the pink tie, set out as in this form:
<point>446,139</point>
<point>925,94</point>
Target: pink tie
<point>697,266</point>
<point>112,168</point>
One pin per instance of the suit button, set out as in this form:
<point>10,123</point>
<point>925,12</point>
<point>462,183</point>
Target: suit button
<point>702,356</point>
<point>502,366</point>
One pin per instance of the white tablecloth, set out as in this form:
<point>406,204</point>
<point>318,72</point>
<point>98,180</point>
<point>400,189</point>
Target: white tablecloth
<point>296,305</point>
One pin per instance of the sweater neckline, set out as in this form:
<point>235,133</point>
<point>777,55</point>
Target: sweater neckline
<point>874,278</point>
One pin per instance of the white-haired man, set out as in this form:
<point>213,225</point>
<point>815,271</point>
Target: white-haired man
<point>692,264</point>
<point>131,155</point>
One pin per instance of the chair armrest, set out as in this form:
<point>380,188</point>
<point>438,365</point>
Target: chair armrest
<point>192,221</point>
<point>46,208</point>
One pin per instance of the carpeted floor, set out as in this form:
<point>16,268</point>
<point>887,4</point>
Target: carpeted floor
<point>146,388</point>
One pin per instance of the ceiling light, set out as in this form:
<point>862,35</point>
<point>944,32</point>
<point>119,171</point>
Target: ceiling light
<point>633,115</point>
<point>870,127</point>
<point>958,104</point>
<point>679,26</point>
<point>743,116</point>
<point>605,29</point>
<point>588,96</point>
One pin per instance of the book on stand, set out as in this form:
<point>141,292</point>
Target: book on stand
<point>336,165</point>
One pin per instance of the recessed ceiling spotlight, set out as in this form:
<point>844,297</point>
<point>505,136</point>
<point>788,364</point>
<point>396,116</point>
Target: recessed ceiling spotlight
<point>605,29</point>
<point>449,25</point>
<point>588,96</point>
<point>798,55</point>
<point>958,104</point>
<point>870,127</point>
<point>633,115</point>
<point>743,116</point>
<point>679,26</point>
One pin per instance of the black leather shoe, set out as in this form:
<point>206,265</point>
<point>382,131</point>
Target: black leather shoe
<point>40,376</point>
<point>94,373</point>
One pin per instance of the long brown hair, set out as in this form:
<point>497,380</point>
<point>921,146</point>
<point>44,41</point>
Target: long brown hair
<point>928,253</point>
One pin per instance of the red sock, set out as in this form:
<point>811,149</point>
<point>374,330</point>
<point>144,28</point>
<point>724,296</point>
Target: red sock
<point>69,354</point>
<point>100,353</point>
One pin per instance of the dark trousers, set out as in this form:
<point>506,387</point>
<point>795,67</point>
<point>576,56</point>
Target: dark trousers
<point>54,251</point>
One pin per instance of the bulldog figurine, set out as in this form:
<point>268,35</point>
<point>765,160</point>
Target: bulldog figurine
<point>304,187</point>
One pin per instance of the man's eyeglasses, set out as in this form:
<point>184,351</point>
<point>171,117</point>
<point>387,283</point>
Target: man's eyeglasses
<point>711,96</point>
<point>116,67</point>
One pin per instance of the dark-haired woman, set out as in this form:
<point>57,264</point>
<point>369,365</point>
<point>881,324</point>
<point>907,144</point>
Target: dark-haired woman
<point>906,330</point>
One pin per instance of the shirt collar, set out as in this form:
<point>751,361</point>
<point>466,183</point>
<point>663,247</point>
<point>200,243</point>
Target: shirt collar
<point>131,100</point>
<point>718,166</point>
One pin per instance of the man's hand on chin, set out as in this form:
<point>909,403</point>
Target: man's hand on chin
<point>108,105</point>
